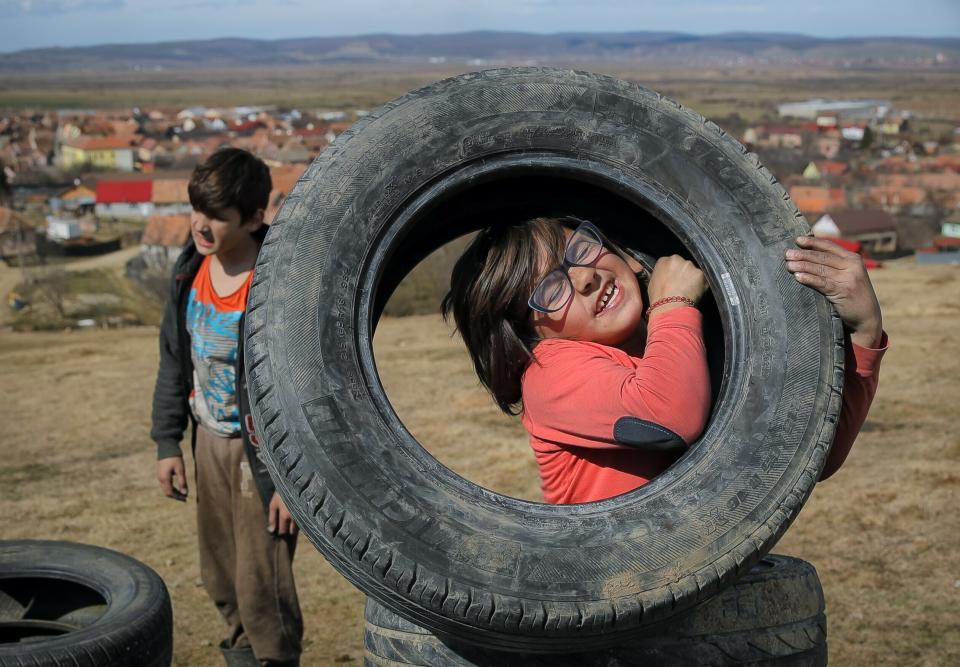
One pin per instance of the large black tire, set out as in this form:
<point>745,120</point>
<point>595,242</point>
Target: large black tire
<point>773,615</point>
<point>439,550</point>
<point>64,604</point>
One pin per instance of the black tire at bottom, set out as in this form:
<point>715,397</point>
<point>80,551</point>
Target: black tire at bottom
<point>80,605</point>
<point>773,616</point>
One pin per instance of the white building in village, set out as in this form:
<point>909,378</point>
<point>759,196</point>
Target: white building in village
<point>874,228</point>
<point>844,109</point>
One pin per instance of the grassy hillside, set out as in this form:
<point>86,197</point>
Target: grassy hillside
<point>78,465</point>
<point>716,92</point>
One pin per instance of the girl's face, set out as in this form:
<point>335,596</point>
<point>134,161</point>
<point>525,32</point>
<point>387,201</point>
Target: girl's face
<point>606,306</point>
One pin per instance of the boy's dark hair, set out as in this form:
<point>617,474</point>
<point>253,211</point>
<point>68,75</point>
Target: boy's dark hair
<point>489,288</point>
<point>231,177</point>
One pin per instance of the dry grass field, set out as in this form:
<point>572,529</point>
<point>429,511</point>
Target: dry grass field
<point>715,92</point>
<point>77,464</point>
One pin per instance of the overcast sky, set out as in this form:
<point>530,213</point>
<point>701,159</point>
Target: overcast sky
<point>42,23</point>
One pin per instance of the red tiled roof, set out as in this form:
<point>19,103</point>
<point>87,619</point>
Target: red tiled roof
<point>170,191</point>
<point>898,180</point>
<point>933,180</point>
<point>892,195</point>
<point>832,167</point>
<point>945,161</point>
<point>940,241</point>
<point>131,192</point>
<point>317,130</point>
<point>897,162</point>
<point>78,192</point>
<point>946,180</point>
<point>864,221</point>
<point>285,176</point>
<point>102,143</point>
<point>166,230</point>
<point>816,199</point>
<point>339,127</point>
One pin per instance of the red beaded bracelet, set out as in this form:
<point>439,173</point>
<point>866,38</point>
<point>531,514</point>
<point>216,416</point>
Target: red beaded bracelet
<point>670,299</point>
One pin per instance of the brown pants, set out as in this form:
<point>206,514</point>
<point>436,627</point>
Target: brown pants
<point>247,572</point>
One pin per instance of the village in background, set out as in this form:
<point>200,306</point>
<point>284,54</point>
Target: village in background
<point>80,183</point>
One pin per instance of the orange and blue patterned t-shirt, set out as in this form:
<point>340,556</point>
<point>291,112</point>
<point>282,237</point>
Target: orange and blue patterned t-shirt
<point>213,322</point>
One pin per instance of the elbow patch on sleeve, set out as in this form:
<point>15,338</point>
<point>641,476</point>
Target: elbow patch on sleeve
<point>646,435</point>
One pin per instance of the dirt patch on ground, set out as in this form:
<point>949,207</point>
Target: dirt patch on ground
<point>883,533</point>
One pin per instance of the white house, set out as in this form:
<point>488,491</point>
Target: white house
<point>62,230</point>
<point>874,228</point>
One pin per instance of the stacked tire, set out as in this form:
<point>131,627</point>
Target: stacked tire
<point>772,616</point>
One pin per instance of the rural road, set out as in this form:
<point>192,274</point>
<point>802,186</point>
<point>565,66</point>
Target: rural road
<point>10,277</point>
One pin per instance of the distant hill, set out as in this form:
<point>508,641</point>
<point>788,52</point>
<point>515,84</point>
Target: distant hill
<point>480,48</point>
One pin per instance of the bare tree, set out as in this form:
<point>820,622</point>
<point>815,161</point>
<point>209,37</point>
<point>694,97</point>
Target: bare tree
<point>6,194</point>
<point>54,285</point>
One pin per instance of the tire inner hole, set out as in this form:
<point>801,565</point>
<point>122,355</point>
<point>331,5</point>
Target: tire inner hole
<point>36,607</point>
<point>426,371</point>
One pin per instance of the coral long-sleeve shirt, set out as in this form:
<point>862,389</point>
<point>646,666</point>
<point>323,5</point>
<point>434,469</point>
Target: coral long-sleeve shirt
<point>575,391</point>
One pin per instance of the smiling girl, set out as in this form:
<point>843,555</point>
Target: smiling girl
<point>613,388</point>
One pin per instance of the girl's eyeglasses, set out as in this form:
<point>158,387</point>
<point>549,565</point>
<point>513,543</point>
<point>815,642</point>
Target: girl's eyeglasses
<point>555,289</point>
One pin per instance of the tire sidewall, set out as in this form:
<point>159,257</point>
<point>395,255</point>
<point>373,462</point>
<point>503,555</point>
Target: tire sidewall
<point>426,542</point>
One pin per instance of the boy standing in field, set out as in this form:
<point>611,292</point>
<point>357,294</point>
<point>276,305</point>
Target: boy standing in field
<point>246,535</point>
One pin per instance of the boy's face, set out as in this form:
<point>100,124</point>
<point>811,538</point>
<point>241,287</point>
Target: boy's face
<point>606,307</point>
<point>220,235</point>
